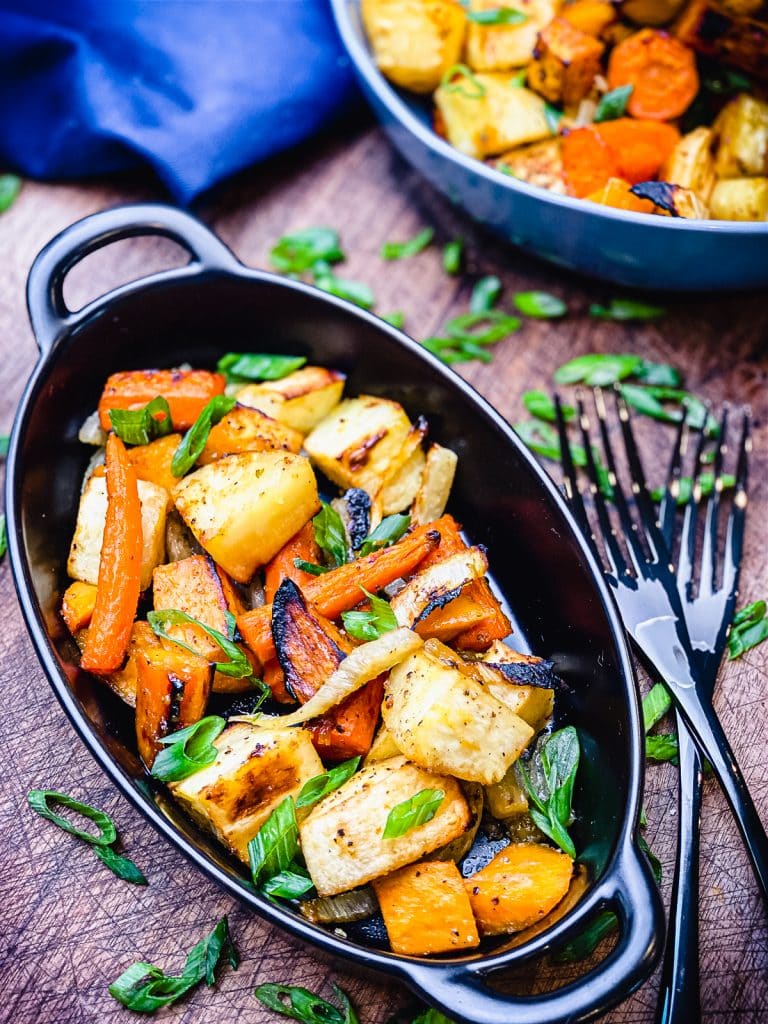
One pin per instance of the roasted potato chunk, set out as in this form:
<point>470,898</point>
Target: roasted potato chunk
<point>359,443</point>
<point>740,199</point>
<point>85,551</point>
<point>742,134</point>
<point>435,485</point>
<point>300,400</point>
<point>691,164</point>
<point>501,47</point>
<point>244,508</point>
<point>448,722</point>
<point>415,41</point>
<point>539,164</point>
<point>500,119</point>
<point>254,770</point>
<point>342,838</point>
<point>565,63</point>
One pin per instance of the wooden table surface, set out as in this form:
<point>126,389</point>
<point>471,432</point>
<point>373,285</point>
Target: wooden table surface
<point>67,926</point>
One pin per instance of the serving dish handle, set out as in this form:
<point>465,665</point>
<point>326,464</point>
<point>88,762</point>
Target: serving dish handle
<point>49,313</point>
<point>462,990</point>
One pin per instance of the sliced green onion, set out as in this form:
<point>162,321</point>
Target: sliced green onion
<point>613,104</point>
<point>540,305</point>
<point>191,445</point>
<point>141,426</point>
<point>402,250</point>
<point>242,366</point>
<point>188,750</point>
<point>449,85</point>
<point>416,810</point>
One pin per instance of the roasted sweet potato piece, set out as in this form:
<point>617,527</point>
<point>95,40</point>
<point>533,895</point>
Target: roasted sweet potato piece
<point>302,545</point>
<point>152,462</point>
<point>186,392</point>
<point>198,587</point>
<point>566,60</point>
<point>172,692</point>
<point>591,16</point>
<point>77,605</point>
<point>459,615</point>
<point>339,590</point>
<point>710,29</point>
<point>248,430</point>
<point>519,887</point>
<point>426,909</point>
<point>310,649</point>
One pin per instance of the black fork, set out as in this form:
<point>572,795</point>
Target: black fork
<point>709,611</point>
<point>645,588</point>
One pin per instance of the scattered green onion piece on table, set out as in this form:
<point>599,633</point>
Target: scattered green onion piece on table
<point>321,785</point>
<point>658,373</point>
<point>656,704</point>
<point>653,860</point>
<point>495,325</point>
<point>123,867</point>
<point>626,309</point>
<point>40,800</point>
<point>141,426</point>
<point>274,847</point>
<point>540,404</point>
<point>10,186</point>
<point>498,16</point>
<point>402,250</point>
<point>661,747</point>
<point>188,750</point>
<point>396,318</point>
<point>706,484</point>
<point>191,445</point>
<point>370,625</point>
<point>238,666</point>
<point>540,305</point>
<point>242,366</point>
<point>300,251</point>
<point>432,1016</point>
<point>613,104</point>
<point>5,441</point>
<point>485,294</point>
<point>452,256</point>
<point>585,943</point>
<point>750,628</point>
<point>353,291</point>
<point>649,400</point>
<point>477,89</point>
<point>145,988</point>
<point>330,533</point>
<point>389,530</point>
<point>416,810</point>
<point>3,535</point>
<point>302,1005</point>
<point>597,369</point>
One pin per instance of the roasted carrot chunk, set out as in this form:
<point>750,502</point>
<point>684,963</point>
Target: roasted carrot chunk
<point>118,588</point>
<point>186,392</point>
<point>519,887</point>
<point>172,692</point>
<point>460,615</point>
<point>641,147</point>
<point>588,161</point>
<point>662,71</point>
<point>77,605</point>
<point>302,545</point>
<point>152,462</point>
<point>426,909</point>
<point>616,193</point>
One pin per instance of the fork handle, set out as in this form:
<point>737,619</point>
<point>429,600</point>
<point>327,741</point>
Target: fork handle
<point>679,996</point>
<point>713,743</point>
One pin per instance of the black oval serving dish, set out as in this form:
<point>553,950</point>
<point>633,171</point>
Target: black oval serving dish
<point>561,605</point>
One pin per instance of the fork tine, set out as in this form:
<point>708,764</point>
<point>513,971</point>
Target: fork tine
<point>618,562</point>
<point>627,522</point>
<point>668,506</point>
<point>734,537</point>
<point>646,509</point>
<point>707,581</point>
<point>690,519</point>
<point>570,480</point>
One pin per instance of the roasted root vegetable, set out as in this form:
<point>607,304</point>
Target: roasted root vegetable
<point>617,192</point>
<point>342,838</point>
<point>740,199</point>
<point>186,391</point>
<point>591,16</point>
<point>519,887</point>
<point>660,69</point>
<point>742,137</point>
<point>359,443</point>
<point>673,200</point>
<point>650,12</point>
<point>502,47</point>
<point>540,164</point>
<point>172,691</point>
<point>441,717</point>
<point>485,115</point>
<point>426,909</point>
<point>435,485</point>
<point>254,771</point>
<point>737,38</point>
<point>300,400</point>
<point>565,62</point>
<point>248,430</point>
<point>77,605</point>
<point>507,797</point>
<point>415,43</point>
<point>691,163</point>
<point>244,508</point>
<point>399,489</point>
<point>85,550</point>
<point>152,462</point>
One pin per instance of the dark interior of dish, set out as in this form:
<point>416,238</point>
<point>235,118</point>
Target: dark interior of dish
<point>498,497</point>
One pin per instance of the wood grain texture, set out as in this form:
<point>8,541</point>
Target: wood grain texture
<point>68,927</point>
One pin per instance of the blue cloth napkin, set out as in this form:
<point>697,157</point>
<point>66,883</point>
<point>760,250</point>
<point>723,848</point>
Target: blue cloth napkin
<point>197,89</point>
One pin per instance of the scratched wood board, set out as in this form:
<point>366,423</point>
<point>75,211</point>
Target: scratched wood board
<point>67,926</point>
